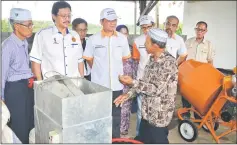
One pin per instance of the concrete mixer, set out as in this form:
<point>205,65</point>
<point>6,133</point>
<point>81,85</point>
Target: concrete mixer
<point>207,90</point>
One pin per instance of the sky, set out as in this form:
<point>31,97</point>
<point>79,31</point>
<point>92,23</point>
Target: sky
<point>90,10</point>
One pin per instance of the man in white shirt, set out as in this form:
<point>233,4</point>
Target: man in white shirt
<point>140,54</point>
<point>56,49</point>
<point>199,48</point>
<point>105,52</point>
<point>175,43</point>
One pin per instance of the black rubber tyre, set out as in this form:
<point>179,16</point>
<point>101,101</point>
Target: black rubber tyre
<point>188,130</point>
<point>216,126</point>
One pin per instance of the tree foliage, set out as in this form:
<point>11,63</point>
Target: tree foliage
<point>92,28</point>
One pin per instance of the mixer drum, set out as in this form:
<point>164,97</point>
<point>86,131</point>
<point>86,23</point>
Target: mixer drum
<point>200,84</point>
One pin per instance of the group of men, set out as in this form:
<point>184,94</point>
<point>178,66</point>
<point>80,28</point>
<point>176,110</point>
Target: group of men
<point>58,50</point>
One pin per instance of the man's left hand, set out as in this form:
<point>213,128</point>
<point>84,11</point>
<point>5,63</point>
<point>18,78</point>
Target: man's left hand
<point>126,80</point>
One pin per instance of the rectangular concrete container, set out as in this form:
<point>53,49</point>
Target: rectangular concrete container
<point>78,110</point>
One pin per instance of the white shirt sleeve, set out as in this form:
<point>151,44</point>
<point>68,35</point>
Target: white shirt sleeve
<point>182,51</point>
<point>36,50</point>
<point>89,50</point>
<point>126,50</point>
<point>80,52</point>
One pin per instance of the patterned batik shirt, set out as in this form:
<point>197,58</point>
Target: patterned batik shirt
<point>158,87</point>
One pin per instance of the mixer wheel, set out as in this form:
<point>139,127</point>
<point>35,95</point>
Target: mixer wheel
<point>188,130</point>
<point>216,126</point>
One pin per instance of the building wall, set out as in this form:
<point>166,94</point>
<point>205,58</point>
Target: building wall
<point>221,19</point>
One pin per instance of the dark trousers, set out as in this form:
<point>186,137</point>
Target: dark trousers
<point>116,113</point>
<point>150,134</point>
<point>88,77</point>
<point>186,104</point>
<point>20,101</point>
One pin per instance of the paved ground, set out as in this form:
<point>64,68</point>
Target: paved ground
<point>174,137</point>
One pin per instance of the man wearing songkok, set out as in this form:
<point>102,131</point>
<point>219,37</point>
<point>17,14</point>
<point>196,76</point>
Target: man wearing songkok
<point>16,74</point>
<point>158,87</point>
<point>140,55</point>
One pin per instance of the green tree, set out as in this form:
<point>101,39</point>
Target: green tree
<point>6,27</point>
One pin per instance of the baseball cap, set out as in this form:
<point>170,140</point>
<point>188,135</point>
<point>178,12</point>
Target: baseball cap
<point>145,19</point>
<point>20,14</point>
<point>109,14</point>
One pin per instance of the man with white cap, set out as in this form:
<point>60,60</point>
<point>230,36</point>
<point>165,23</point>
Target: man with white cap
<point>56,49</point>
<point>105,52</point>
<point>158,87</point>
<point>140,54</point>
<point>17,94</point>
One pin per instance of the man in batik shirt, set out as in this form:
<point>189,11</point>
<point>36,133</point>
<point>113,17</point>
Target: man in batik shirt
<point>158,87</point>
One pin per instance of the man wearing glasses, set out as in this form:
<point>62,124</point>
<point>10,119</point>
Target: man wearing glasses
<point>175,43</point>
<point>18,96</point>
<point>140,54</point>
<point>56,49</point>
<point>80,26</point>
<point>199,49</point>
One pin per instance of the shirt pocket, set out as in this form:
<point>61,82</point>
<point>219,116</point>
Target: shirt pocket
<point>204,53</point>
<point>118,52</point>
<point>100,51</point>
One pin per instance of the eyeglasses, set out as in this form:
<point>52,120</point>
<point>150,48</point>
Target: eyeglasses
<point>30,26</point>
<point>65,16</point>
<point>199,30</point>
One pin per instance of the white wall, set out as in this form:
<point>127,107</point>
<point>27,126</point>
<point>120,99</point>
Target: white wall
<point>221,19</point>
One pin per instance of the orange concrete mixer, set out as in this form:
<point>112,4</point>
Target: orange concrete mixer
<point>207,90</point>
<point>200,83</point>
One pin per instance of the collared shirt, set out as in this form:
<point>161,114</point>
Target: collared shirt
<point>176,46</point>
<point>56,53</point>
<point>158,87</point>
<point>140,53</point>
<point>202,52</point>
<point>107,53</point>
<point>15,60</point>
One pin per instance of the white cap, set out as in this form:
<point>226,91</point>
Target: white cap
<point>108,14</point>
<point>158,35</point>
<point>20,14</point>
<point>145,19</point>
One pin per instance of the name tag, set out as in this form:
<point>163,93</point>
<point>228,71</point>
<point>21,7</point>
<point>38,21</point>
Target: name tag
<point>99,46</point>
<point>142,47</point>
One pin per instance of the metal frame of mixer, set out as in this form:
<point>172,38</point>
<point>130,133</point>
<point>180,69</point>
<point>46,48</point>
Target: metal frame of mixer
<point>211,121</point>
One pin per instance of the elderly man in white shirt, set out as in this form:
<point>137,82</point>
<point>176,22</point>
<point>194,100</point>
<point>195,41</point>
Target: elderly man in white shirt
<point>56,49</point>
<point>199,49</point>
<point>175,43</point>
<point>140,54</point>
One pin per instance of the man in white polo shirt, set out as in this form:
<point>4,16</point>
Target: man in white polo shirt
<point>56,49</point>
<point>175,43</point>
<point>140,54</point>
<point>105,52</point>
